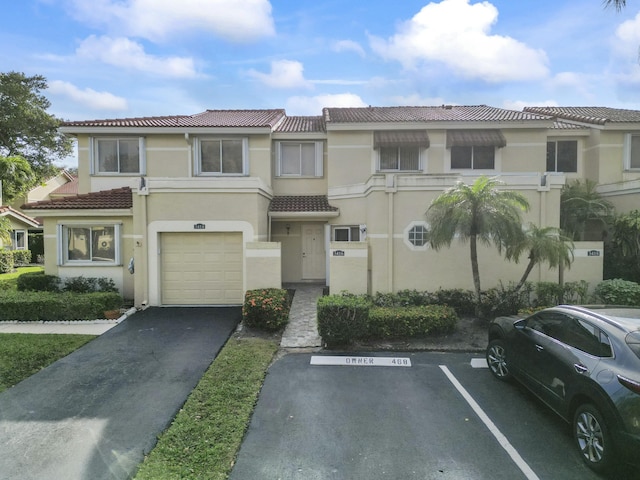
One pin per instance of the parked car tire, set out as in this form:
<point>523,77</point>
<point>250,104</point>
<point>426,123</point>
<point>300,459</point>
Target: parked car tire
<point>592,438</point>
<point>497,360</point>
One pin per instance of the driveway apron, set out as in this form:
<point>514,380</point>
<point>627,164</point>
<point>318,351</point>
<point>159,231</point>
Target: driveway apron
<point>95,413</point>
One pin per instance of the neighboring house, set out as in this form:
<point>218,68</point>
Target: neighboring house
<point>21,225</point>
<point>203,207</point>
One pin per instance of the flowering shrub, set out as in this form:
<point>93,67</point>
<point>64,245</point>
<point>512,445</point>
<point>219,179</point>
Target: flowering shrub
<point>266,309</point>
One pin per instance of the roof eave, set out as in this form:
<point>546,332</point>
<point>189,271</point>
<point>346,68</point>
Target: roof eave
<point>81,212</point>
<point>88,130</point>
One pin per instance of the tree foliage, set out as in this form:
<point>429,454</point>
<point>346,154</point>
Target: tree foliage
<point>16,176</point>
<point>617,4</point>
<point>581,204</point>
<point>542,245</point>
<point>5,230</point>
<point>480,212</point>
<point>26,129</point>
<point>622,254</point>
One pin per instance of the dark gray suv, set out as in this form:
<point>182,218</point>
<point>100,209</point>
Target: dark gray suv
<point>584,362</point>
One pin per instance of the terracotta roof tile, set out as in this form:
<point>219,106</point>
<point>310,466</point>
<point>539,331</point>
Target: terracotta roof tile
<point>119,198</point>
<point>426,114</point>
<point>7,210</point>
<point>593,115</point>
<point>301,203</point>
<point>301,125</point>
<point>69,188</point>
<point>209,118</point>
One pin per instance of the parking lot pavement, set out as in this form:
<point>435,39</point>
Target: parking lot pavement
<point>410,416</point>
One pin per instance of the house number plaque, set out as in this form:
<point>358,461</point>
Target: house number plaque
<point>199,226</point>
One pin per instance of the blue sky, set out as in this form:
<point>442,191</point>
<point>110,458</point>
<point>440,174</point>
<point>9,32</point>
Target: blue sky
<point>127,58</point>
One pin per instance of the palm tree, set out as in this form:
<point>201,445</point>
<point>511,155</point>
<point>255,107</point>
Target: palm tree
<point>5,230</point>
<point>617,4</point>
<point>581,203</point>
<point>542,244</point>
<point>479,213</point>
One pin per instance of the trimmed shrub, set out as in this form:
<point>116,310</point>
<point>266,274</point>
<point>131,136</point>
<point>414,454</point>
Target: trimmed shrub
<point>394,322</point>
<point>548,293</point>
<point>89,284</point>
<point>38,282</point>
<point>501,300</point>
<point>618,292</point>
<point>343,318</point>
<point>463,301</point>
<point>576,292</point>
<point>21,258</point>
<point>266,309</point>
<point>49,306</point>
<point>6,261</point>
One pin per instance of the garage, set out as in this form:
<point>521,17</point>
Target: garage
<point>201,268</point>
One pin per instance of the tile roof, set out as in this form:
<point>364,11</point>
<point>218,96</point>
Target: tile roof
<point>69,188</point>
<point>209,118</point>
<point>119,198</point>
<point>6,210</point>
<point>426,114</point>
<point>301,125</point>
<point>593,115</point>
<point>301,203</point>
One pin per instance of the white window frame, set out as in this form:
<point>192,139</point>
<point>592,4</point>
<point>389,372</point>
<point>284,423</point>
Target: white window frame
<point>95,158</point>
<point>319,159</point>
<point>362,232</point>
<point>407,232</point>
<point>627,152</point>
<point>63,242</point>
<point>420,160</point>
<point>14,239</point>
<point>197,157</point>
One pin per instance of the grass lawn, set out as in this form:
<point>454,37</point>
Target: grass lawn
<point>8,281</point>
<point>23,354</point>
<point>206,434</point>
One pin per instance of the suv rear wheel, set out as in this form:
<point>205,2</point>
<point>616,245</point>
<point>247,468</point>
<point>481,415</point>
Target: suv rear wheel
<point>592,437</point>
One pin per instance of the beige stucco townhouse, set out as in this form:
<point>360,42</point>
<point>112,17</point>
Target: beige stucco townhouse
<point>195,210</point>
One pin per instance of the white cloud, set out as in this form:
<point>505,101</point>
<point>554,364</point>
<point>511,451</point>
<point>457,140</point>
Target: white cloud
<point>520,104</point>
<point>127,54</point>
<point>417,100</point>
<point>348,46</point>
<point>284,74</point>
<point>233,20</point>
<point>87,97</point>
<point>627,37</point>
<point>313,105</point>
<point>457,34</point>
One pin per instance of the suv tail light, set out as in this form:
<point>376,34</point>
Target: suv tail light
<point>630,384</point>
<point>633,340</point>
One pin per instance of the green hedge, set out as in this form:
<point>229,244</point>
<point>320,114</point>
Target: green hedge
<point>49,306</point>
<point>6,261</point>
<point>394,322</point>
<point>618,292</point>
<point>266,309</point>
<point>21,258</point>
<point>38,282</point>
<point>343,319</point>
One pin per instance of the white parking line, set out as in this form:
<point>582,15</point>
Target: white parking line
<point>502,440</point>
<point>479,363</point>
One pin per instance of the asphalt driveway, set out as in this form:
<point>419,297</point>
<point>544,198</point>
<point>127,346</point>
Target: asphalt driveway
<point>95,413</point>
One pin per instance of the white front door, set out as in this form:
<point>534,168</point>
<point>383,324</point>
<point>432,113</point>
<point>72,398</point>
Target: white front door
<point>313,254</point>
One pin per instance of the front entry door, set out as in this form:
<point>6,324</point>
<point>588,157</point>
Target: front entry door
<point>313,254</point>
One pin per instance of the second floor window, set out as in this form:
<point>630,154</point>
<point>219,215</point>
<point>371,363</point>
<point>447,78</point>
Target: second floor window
<point>400,158</point>
<point>299,159</point>
<point>632,152</point>
<point>221,156</point>
<point>473,158</point>
<point>562,156</point>
<point>118,155</point>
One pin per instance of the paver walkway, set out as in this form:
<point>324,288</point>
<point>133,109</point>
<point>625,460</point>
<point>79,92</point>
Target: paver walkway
<point>302,330</point>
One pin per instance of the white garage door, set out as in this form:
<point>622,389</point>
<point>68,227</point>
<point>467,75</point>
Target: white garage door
<point>201,268</point>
